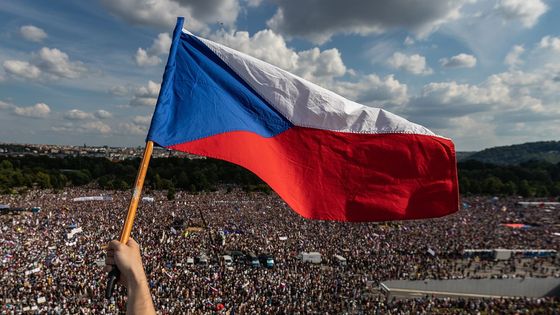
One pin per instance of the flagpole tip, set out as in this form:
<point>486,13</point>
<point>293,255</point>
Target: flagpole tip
<point>180,21</point>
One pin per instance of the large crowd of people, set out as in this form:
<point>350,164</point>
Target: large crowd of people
<point>52,260</point>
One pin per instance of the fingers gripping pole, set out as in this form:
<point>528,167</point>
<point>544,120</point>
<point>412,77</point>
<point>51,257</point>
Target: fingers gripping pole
<point>127,226</point>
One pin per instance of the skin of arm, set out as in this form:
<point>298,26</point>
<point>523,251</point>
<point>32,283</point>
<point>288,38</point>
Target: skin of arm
<point>129,261</point>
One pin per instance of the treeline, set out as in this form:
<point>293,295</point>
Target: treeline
<point>519,153</point>
<point>529,179</point>
<point>170,173</point>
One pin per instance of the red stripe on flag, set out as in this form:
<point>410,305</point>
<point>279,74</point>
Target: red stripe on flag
<point>346,176</point>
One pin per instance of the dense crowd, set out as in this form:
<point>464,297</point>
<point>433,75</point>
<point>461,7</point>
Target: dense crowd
<point>42,269</point>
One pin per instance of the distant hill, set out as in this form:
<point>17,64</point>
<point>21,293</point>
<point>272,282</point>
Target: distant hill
<point>464,155</point>
<point>515,154</point>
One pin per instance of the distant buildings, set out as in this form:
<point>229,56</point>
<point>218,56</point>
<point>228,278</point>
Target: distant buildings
<point>111,153</point>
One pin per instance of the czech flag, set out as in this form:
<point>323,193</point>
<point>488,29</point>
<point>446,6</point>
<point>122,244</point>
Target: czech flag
<point>329,158</point>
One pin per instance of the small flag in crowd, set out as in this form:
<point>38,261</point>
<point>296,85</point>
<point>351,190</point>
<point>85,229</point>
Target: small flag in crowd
<point>328,157</point>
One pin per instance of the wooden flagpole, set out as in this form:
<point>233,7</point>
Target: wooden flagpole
<point>127,226</point>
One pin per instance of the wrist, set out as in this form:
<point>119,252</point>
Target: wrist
<point>137,279</point>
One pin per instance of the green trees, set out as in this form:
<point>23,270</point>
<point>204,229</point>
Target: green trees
<point>43,180</point>
<point>171,193</point>
<point>529,179</point>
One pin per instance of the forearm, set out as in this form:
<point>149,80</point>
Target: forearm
<point>139,297</point>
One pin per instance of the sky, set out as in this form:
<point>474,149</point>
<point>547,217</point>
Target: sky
<point>484,73</point>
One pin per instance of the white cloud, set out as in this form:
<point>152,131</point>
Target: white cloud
<point>312,64</point>
<point>76,114</point>
<point>163,13</point>
<point>143,59</point>
<point>320,20</point>
<point>526,11</point>
<point>91,127</point>
<point>459,61</point>
<point>138,126</point>
<point>103,114</point>
<point>322,67</point>
<point>21,69</point>
<point>51,63</point>
<point>513,58</point>
<point>408,41</point>
<point>265,45</point>
<point>497,105</point>
<point>39,110</point>
<point>32,33</point>
<point>161,44</point>
<point>5,105</point>
<point>415,63</point>
<point>95,127</point>
<point>253,3</point>
<point>150,57</point>
<point>315,63</point>
<point>373,90</point>
<point>133,129</point>
<point>57,64</point>
<point>146,95</point>
<point>550,42</point>
<point>119,90</point>
<point>142,120</point>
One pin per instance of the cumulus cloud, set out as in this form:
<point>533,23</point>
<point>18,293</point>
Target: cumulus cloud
<point>374,90</point>
<point>79,115</point>
<point>103,114</point>
<point>132,129</point>
<point>95,127</point>
<point>47,62</point>
<point>39,110</point>
<point>142,120</point>
<point>57,64</point>
<point>143,59</point>
<point>459,61</point>
<point>119,90</point>
<point>313,64</point>
<point>32,33</point>
<point>76,114</point>
<point>439,100</point>
<point>415,63</point>
<point>146,95</point>
<point>138,126</point>
<point>5,105</point>
<point>265,45</point>
<point>163,13</point>
<point>501,100</point>
<point>161,44</point>
<point>409,41</point>
<point>322,67</point>
<point>513,58</point>
<point>150,57</point>
<point>318,20</point>
<point>22,69</point>
<point>92,127</point>
<point>550,42</point>
<point>526,11</point>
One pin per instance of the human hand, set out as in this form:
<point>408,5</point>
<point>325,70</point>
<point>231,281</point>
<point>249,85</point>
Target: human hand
<point>128,260</point>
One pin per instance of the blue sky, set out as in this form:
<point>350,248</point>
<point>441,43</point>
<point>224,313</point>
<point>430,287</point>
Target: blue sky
<point>484,73</point>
